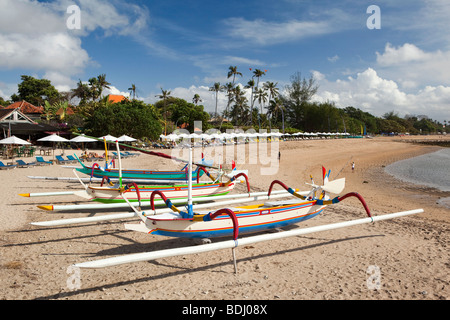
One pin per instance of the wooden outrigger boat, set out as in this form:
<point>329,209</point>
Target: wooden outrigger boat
<point>137,175</point>
<point>238,220</point>
<point>243,219</point>
<point>112,194</point>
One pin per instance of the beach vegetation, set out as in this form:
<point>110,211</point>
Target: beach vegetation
<point>36,91</point>
<point>136,118</point>
<point>256,105</point>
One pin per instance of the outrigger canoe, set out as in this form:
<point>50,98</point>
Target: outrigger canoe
<point>136,193</point>
<point>99,172</point>
<point>242,219</point>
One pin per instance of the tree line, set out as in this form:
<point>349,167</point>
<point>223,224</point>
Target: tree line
<point>268,108</point>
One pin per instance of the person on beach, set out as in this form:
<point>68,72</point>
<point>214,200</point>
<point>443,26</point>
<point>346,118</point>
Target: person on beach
<point>353,166</point>
<point>279,155</point>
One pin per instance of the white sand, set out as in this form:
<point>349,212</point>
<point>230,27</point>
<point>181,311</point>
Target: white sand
<point>410,253</point>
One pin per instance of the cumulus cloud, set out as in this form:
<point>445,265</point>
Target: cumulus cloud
<point>372,93</point>
<point>413,67</point>
<point>34,35</point>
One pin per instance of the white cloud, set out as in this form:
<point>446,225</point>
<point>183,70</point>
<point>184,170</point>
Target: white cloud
<point>34,35</point>
<point>372,93</point>
<point>269,33</point>
<point>333,59</point>
<point>413,67</point>
<point>48,51</point>
<point>115,91</point>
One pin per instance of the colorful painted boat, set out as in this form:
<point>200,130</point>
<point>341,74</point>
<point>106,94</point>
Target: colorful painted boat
<point>142,193</point>
<point>241,219</point>
<point>99,172</point>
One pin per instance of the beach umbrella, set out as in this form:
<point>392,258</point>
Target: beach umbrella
<point>53,138</point>
<point>125,138</point>
<point>82,139</point>
<point>109,138</point>
<point>14,140</point>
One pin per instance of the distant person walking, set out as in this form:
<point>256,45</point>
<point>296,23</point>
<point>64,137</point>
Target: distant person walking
<point>279,155</point>
<point>353,166</point>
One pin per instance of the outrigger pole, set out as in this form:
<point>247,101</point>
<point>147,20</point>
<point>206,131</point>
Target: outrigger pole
<point>146,256</point>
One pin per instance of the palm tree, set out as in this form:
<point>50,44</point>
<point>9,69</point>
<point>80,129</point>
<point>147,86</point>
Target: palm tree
<point>240,104</point>
<point>216,88</point>
<point>196,99</point>
<point>261,96</point>
<point>272,89</point>
<point>251,85</point>
<point>102,84</point>
<point>82,91</point>
<point>275,105</point>
<point>233,72</point>
<point>164,95</point>
<point>133,90</point>
<point>258,74</point>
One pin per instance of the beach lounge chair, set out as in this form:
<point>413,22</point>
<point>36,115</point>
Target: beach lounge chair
<point>23,164</point>
<point>71,158</point>
<point>131,154</point>
<point>60,159</point>
<point>42,162</point>
<point>7,167</point>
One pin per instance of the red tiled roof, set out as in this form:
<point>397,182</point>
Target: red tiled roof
<point>26,107</point>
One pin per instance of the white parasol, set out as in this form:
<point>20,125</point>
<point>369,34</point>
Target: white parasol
<point>14,140</point>
<point>125,138</point>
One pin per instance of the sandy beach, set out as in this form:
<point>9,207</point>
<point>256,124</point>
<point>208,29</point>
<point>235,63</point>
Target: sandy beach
<point>410,254</point>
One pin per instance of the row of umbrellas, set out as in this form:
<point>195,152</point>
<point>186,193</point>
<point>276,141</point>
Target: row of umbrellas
<point>56,138</point>
<point>224,136</point>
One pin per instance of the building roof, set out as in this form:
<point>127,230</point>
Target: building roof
<point>26,107</point>
<point>116,98</point>
<point>13,115</point>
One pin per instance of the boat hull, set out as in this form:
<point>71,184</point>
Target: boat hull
<point>139,174</point>
<point>249,221</point>
<point>112,195</point>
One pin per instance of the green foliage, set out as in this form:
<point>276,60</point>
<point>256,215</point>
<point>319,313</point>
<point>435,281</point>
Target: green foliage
<point>36,91</point>
<point>134,118</point>
<point>179,112</point>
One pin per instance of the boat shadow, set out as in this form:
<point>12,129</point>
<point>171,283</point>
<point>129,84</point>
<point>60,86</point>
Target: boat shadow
<point>170,243</point>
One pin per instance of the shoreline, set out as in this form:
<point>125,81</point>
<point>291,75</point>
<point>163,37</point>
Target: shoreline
<point>411,252</point>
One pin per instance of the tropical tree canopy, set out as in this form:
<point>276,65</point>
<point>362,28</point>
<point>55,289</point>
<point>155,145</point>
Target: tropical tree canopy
<point>134,118</point>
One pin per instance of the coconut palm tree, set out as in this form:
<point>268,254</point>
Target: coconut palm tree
<point>102,84</point>
<point>132,90</point>
<point>258,74</point>
<point>233,72</point>
<point>216,88</point>
<point>276,105</point>
<point>251,85</point>
<point>82,91</point>
<point>196,99</point>
<point>273,92</point>
<point>164,95</point>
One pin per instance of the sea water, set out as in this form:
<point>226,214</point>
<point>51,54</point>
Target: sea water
<point>431,170</point>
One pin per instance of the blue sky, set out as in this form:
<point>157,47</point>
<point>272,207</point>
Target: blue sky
<point>186,46</point>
